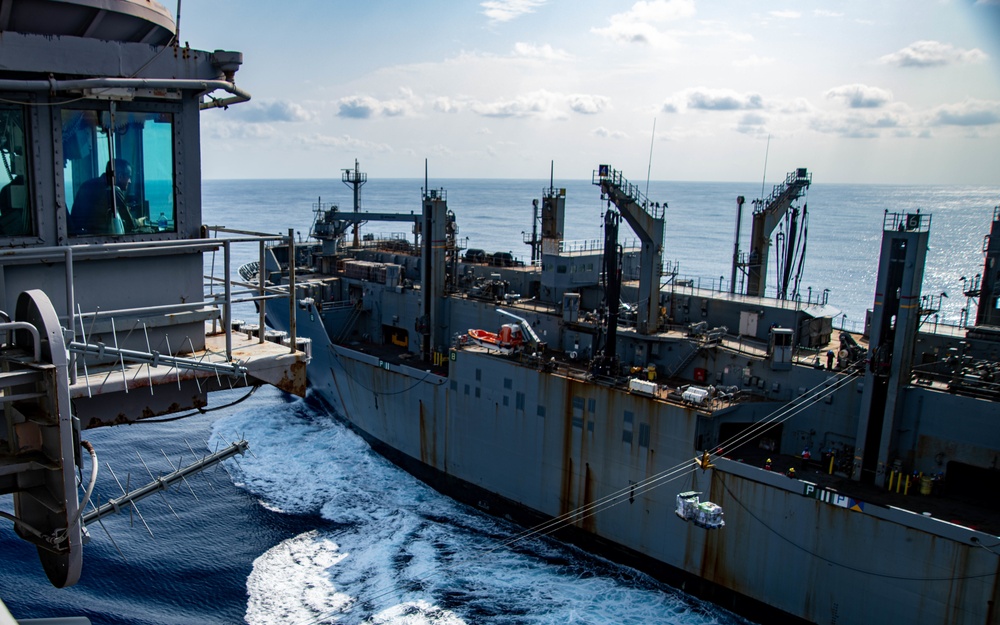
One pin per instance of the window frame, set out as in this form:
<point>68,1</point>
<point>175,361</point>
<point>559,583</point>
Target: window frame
<point>176,112</point>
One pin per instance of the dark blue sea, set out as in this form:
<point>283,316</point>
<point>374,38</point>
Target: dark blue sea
<point>315,522</point>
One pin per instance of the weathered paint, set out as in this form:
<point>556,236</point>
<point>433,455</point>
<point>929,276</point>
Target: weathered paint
<point>555,470</point>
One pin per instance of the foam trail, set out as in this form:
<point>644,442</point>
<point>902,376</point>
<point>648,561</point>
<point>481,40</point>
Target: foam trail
<point>396,551</point>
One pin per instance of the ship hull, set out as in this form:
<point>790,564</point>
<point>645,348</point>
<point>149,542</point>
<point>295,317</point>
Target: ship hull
<point>790,551</point>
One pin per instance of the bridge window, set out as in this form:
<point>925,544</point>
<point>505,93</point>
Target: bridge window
<point>135,150</point>
<point>16,215</point>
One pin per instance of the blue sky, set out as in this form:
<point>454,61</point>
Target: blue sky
<point>862,91</point>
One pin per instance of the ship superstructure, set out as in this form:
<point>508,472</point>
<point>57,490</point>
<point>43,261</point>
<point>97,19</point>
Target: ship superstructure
<point>536,391</point>
<point>106,314</point>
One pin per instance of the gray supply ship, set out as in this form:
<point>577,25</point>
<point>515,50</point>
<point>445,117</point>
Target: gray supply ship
<point>532,391</point>
<point>106,316</point>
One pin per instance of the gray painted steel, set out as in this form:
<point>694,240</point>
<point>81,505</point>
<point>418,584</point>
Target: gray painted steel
<point>524,433</point>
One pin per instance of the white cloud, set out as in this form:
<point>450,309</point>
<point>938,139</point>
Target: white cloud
<point>788,15</point>
<point>860,96</point>
<point>637,24</point>
<point>257,111</point>
<point>344,141</point>
<point>601,131</point>
<point>232,131</point>
<point>932,54</point>
<point>848,126</point>
<point>753,124</point>
<point>544,52</point>
<point>365,107</point>
<point>706,99</point>
<point>796,106</point>
<point>589,104</point>
<point>825,13</point>
<point>968,113</point>
<point>358,107</point>
<point>507,10</point>
<point>444,104</point>
<point>541,104</point>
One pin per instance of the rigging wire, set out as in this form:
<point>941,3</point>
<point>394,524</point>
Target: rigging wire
<point>679,470</point>
<point>847,566</point>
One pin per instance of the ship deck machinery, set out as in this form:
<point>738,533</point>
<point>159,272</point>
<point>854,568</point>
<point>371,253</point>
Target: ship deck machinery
<point>100,324</point>
<point>566,432</point>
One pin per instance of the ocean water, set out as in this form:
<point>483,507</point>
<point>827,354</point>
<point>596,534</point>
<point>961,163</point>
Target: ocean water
<point>315,527</point>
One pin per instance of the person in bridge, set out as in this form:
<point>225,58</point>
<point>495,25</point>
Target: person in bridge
<point>100,204</point>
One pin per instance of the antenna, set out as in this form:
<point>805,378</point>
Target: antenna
<point>158,485</point>
<point>649,167</point>
<point>177,24</point>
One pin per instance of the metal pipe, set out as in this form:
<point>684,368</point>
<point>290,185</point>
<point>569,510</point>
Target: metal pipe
<point>203,86</point>
<point>291,284</point>
<point>260,292</point>
<point>227,305</point>
<point>164,308</point>
<point>24,325</point>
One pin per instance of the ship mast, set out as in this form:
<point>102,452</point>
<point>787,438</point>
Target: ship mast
<point>355,179</point>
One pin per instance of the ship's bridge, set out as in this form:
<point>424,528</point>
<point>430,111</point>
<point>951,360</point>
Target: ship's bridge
<point>107,314</point>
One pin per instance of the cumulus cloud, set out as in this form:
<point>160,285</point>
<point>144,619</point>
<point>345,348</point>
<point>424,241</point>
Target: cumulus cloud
<point>603,132</point>
<point>344,141</point>
<point>231,131</point>
<point>752,124</point>
<point>507,10</point>
<point>536,104</point>
<point>637,25</point>
<point>365,107</point>
<point>544,52</point>
<point>258,111</point>
<point>788,15</point>
<point>795,106</point>
<point>826,13</point>
<point>859,96</point>
<point>588,104</point>
<point>968,113</point>
<point>933,54</point>
<point>705,99</point>
<point>849,126</point>
<point>358,107</point>
<point>445,104</point>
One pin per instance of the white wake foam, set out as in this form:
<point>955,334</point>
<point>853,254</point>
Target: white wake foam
<point>395,551</point>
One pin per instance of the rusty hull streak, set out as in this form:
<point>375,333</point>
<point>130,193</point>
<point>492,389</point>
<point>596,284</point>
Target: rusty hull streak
<point>590,520</point>
<point>566,492</point>
<point>296,383</point>
<point>428,441</point>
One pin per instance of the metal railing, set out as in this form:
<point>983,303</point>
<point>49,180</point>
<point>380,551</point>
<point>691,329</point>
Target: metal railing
<point>76,320</point>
